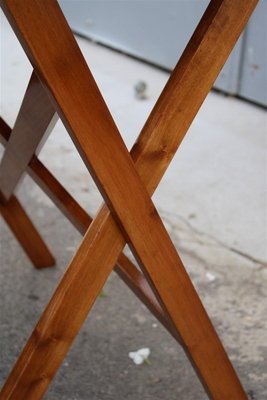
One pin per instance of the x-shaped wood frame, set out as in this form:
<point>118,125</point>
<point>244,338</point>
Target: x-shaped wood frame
<point>126,182</point>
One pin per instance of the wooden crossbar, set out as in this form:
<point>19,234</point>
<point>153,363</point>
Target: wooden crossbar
<point>126,187</point>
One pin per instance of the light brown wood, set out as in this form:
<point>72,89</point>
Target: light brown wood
<point>127,271</point>
<point>103,151</point>
<point>134,279</point>
<point>26,233</point>
<point>35,120</point>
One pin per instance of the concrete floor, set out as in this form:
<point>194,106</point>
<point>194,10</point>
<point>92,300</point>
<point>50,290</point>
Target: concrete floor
<point>213,202</point>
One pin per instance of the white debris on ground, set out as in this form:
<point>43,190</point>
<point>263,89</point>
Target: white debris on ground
<point>210,277</point>
<point>140,356</point>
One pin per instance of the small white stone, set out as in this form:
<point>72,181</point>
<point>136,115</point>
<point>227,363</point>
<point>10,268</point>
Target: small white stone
<point>140,355</point>
<point>210,277</point>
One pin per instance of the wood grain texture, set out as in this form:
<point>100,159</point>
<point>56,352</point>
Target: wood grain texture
<point>36,119</point>
<point>127,271</point>
<point>80,219</point>
<point>26,233</point>
<point>74,92</point>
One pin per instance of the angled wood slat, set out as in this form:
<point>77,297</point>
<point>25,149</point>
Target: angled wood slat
<point>81,220</point>
<point>35,120</point>
<point>133,217</point>
<point>26,233</point>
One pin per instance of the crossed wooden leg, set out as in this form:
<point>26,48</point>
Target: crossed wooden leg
<point>35,120</point>
<point>81,221</point>
<point>132,216</point>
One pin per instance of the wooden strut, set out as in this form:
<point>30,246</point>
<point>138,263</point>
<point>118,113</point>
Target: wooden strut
<point>36,118</point>
<point>132,216</point>
<point>26,233</point>
<point>81,220</point>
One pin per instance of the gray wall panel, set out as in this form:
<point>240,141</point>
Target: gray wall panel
<point>253,74</point>
<point>154,30</point>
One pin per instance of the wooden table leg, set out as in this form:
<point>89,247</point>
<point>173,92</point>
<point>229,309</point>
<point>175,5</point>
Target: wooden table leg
<point>134,213</point>
<point>25,232</point>
<point>127,271</point>
<point>35,120</point>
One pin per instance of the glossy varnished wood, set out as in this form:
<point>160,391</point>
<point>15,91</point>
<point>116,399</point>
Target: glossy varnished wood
<point>26,233</point>
<point>74,93</point>
<point>36,119</point>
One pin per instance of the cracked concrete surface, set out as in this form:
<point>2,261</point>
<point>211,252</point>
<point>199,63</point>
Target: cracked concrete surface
<point>213,203</point>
